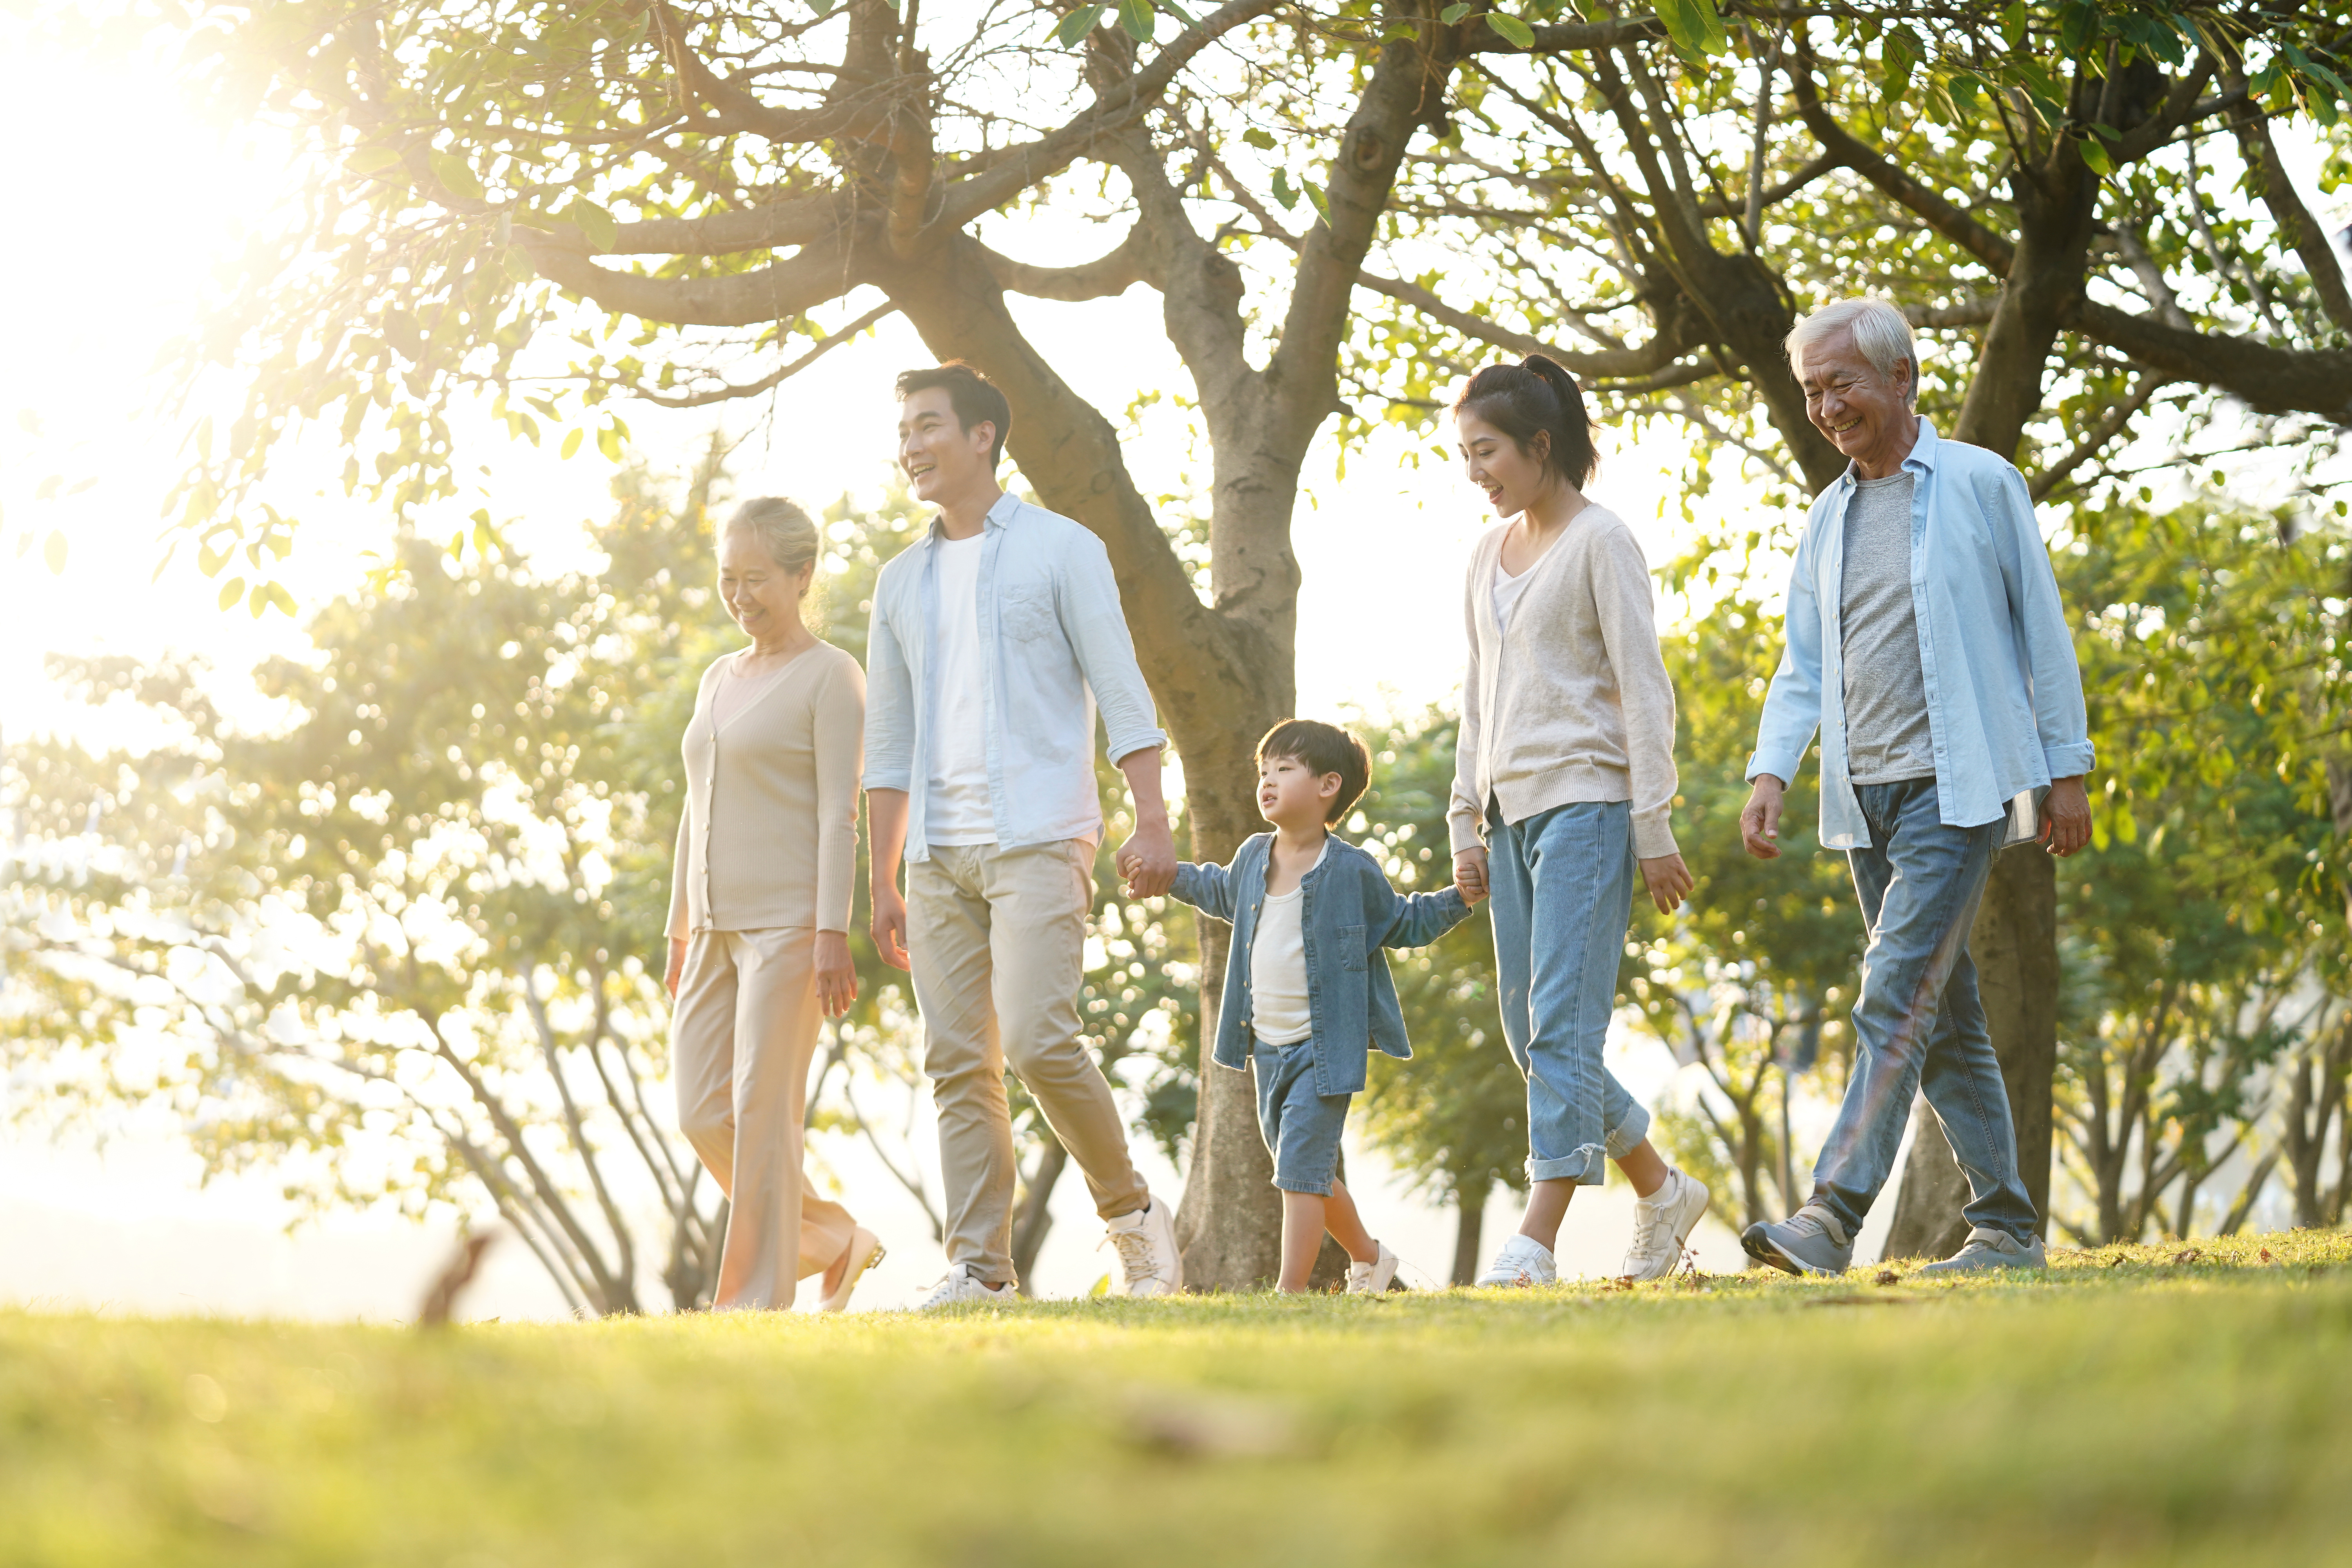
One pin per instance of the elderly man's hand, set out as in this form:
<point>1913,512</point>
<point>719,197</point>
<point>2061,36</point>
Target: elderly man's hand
<point>2066,816</point>
<point>1759,823</point>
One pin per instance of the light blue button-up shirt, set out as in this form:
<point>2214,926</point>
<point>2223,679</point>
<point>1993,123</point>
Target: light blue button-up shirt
<point>1053,645</point>
<point>2004,695</point>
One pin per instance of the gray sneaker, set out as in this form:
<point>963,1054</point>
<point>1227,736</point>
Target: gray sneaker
<point>1809,1241</point>
<point>1988,1249</point>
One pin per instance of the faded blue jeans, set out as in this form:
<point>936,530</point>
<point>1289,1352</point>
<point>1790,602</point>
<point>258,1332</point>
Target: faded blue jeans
<point>1918,1023</point>
<point>1560,885</point>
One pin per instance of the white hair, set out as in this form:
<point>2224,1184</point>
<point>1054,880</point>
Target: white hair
<point>1879,330</point>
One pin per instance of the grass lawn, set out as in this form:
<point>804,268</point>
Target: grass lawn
<point>2136,1405</point>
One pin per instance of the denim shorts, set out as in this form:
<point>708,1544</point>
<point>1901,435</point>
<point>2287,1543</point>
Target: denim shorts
<point>1302,1128</point>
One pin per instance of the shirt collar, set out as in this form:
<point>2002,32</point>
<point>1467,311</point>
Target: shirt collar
<point>1922,455</point>
<point>1001,515</point>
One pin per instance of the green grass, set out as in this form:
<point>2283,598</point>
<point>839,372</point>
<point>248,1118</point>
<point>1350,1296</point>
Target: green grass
<point>2126,1408</point>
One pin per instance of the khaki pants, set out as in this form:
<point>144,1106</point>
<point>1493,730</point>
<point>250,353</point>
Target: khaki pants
<point>742,1037</point>
<point>998,938</point>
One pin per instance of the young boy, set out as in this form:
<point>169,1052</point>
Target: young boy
<point>1307,995</point>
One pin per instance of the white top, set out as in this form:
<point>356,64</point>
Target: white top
<point>1507,590</point>
<point>1279,1014</point>
<point>957,809</point>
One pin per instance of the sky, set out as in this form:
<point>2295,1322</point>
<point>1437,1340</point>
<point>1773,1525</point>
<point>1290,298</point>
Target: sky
<point>88,453</point>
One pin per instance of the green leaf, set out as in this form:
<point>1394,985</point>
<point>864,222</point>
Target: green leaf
<point>282,599</point>
<point>1135,17</point>
<point>1314,193</point>
<point>1261,140</point>
<point>1511,29</point>
<point>53,550</point>
<point>608,441</point>
<point>231,592</point>
<point>371,160</point>
<point>1072,29</point>
<point>2094,153</point>
<point>1694,26</point>
<point>456,173</point>
<point>518,264</point>
<point>1453,14</point>
<point>257,601</point>
<point>1285,196</point>
<point>598,226</point>
<point>572,442</point>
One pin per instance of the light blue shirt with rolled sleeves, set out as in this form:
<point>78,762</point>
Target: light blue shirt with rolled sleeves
<point>2004,694</point>
<point>1052,646</point>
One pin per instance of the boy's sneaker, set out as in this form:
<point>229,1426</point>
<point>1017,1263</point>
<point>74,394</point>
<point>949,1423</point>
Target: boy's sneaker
<point>962,1287</point>
<point>1661,1224</point>
<point>1986,1249</point>
<point>1809,1241</point>
<point>1148,1263</point>
<point>1371,1279</point>
<point>1521,1261</point>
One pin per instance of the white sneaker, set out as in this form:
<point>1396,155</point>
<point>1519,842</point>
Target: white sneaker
<point>1371,1279</point>
<point>1148,1263</point>
<point>864,1252</point>
<point>962,1287</point>
<point>1662,1223</point>
<point>1522,1261</point>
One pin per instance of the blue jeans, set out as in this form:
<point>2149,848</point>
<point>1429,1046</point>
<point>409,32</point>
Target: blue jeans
<point>1918,1023</point>
<point>1302,1128</point>
<point>1560,888</point>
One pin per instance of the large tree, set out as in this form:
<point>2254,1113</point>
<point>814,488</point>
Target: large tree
<point>783,180</point>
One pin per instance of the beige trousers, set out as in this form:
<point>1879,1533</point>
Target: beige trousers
<point>742,1037</point>
<point>998,940</point>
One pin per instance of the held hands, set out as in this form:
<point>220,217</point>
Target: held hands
<point>836,975</point>
<point>1148,860</point>
<point>1470,873</point>
<point>1759,822</point>
<point>1669,881</point>
<point>2066,817</point>
<point>889,926</point>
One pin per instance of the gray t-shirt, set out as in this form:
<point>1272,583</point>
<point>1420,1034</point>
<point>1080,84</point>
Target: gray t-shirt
<point>1886,734</point>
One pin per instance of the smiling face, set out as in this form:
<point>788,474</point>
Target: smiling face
<point>763,596</point>
<point>1865,415</point>
<point>942,460</point>
<point>1292,794</point>
<point>1511,479</point>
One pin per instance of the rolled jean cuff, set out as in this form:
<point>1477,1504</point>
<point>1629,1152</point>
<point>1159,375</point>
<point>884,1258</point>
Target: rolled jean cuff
<point>1585,1165</point>
<point>1626,1136</point>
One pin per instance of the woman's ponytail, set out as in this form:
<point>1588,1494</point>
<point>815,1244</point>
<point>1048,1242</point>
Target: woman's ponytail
<point>1537,395</point>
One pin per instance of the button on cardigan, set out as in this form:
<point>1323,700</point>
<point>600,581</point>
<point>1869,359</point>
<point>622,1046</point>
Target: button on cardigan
<point>769,836</point>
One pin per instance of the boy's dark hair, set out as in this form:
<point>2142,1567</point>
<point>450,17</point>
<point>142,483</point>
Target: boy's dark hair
<point>974,397</point>
<point>1536,396</point>
<point>1326,748</point>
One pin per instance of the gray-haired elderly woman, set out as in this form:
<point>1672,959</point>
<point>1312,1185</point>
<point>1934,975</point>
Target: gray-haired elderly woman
<point>759,911</point>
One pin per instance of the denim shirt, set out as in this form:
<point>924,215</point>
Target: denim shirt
<point>1351,913</point>
<point>2004,696</point>
<point>1052,644</point>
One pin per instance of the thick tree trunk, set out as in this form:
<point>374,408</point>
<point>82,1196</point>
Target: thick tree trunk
<point>2015,945</point>
<point>1470,1205</point>
<point>1229,1225</point>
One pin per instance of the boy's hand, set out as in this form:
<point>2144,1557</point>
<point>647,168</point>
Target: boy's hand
<point>1470,873</point>
<point>1669,881</point>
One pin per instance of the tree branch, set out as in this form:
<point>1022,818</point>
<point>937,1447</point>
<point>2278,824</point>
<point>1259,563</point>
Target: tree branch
<point>1114,272</point>
<point>2268,379</point>
<point>1942,216</point>
<point>1657,353</point>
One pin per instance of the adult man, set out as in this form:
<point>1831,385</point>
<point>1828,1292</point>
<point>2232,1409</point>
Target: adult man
<point>994,638</point>
<point>1926,643</point>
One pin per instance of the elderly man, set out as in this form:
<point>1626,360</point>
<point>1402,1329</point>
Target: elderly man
<point>1926,643</point>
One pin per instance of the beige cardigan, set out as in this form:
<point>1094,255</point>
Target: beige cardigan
<point>1573,702</point>
<point>769,836</point>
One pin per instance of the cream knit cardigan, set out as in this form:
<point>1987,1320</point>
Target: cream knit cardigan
<point>1572,704</point>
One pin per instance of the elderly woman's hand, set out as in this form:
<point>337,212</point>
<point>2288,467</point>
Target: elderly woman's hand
<point>677,966</point>
<point>836,977</point>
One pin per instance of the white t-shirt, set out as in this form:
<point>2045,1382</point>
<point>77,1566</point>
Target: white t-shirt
<point>1507,590</point>
<point>1279,1014</point>
<point>957,809</point>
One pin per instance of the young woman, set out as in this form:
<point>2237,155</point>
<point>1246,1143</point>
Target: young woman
<point>1563,781</point>
<point>758,946</point>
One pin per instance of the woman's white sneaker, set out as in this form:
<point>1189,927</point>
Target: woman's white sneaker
<point>1662,1222</point>
<point>1371,1279</point>
<point>1521,1261</point>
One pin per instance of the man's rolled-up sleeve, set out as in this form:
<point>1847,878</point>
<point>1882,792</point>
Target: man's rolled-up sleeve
<point>1096,628</point>
<point>2037,616</point>
<point>1793,705</point>
<point>889,703</point>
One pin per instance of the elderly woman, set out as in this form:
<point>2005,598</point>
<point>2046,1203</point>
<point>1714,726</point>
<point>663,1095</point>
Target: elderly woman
<point>759,953</point>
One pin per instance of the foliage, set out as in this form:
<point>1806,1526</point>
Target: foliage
<point>2127,1407</point>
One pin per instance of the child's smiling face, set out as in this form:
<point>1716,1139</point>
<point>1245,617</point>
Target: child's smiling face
<point>1294,796</point>
<point>1492,461</point>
